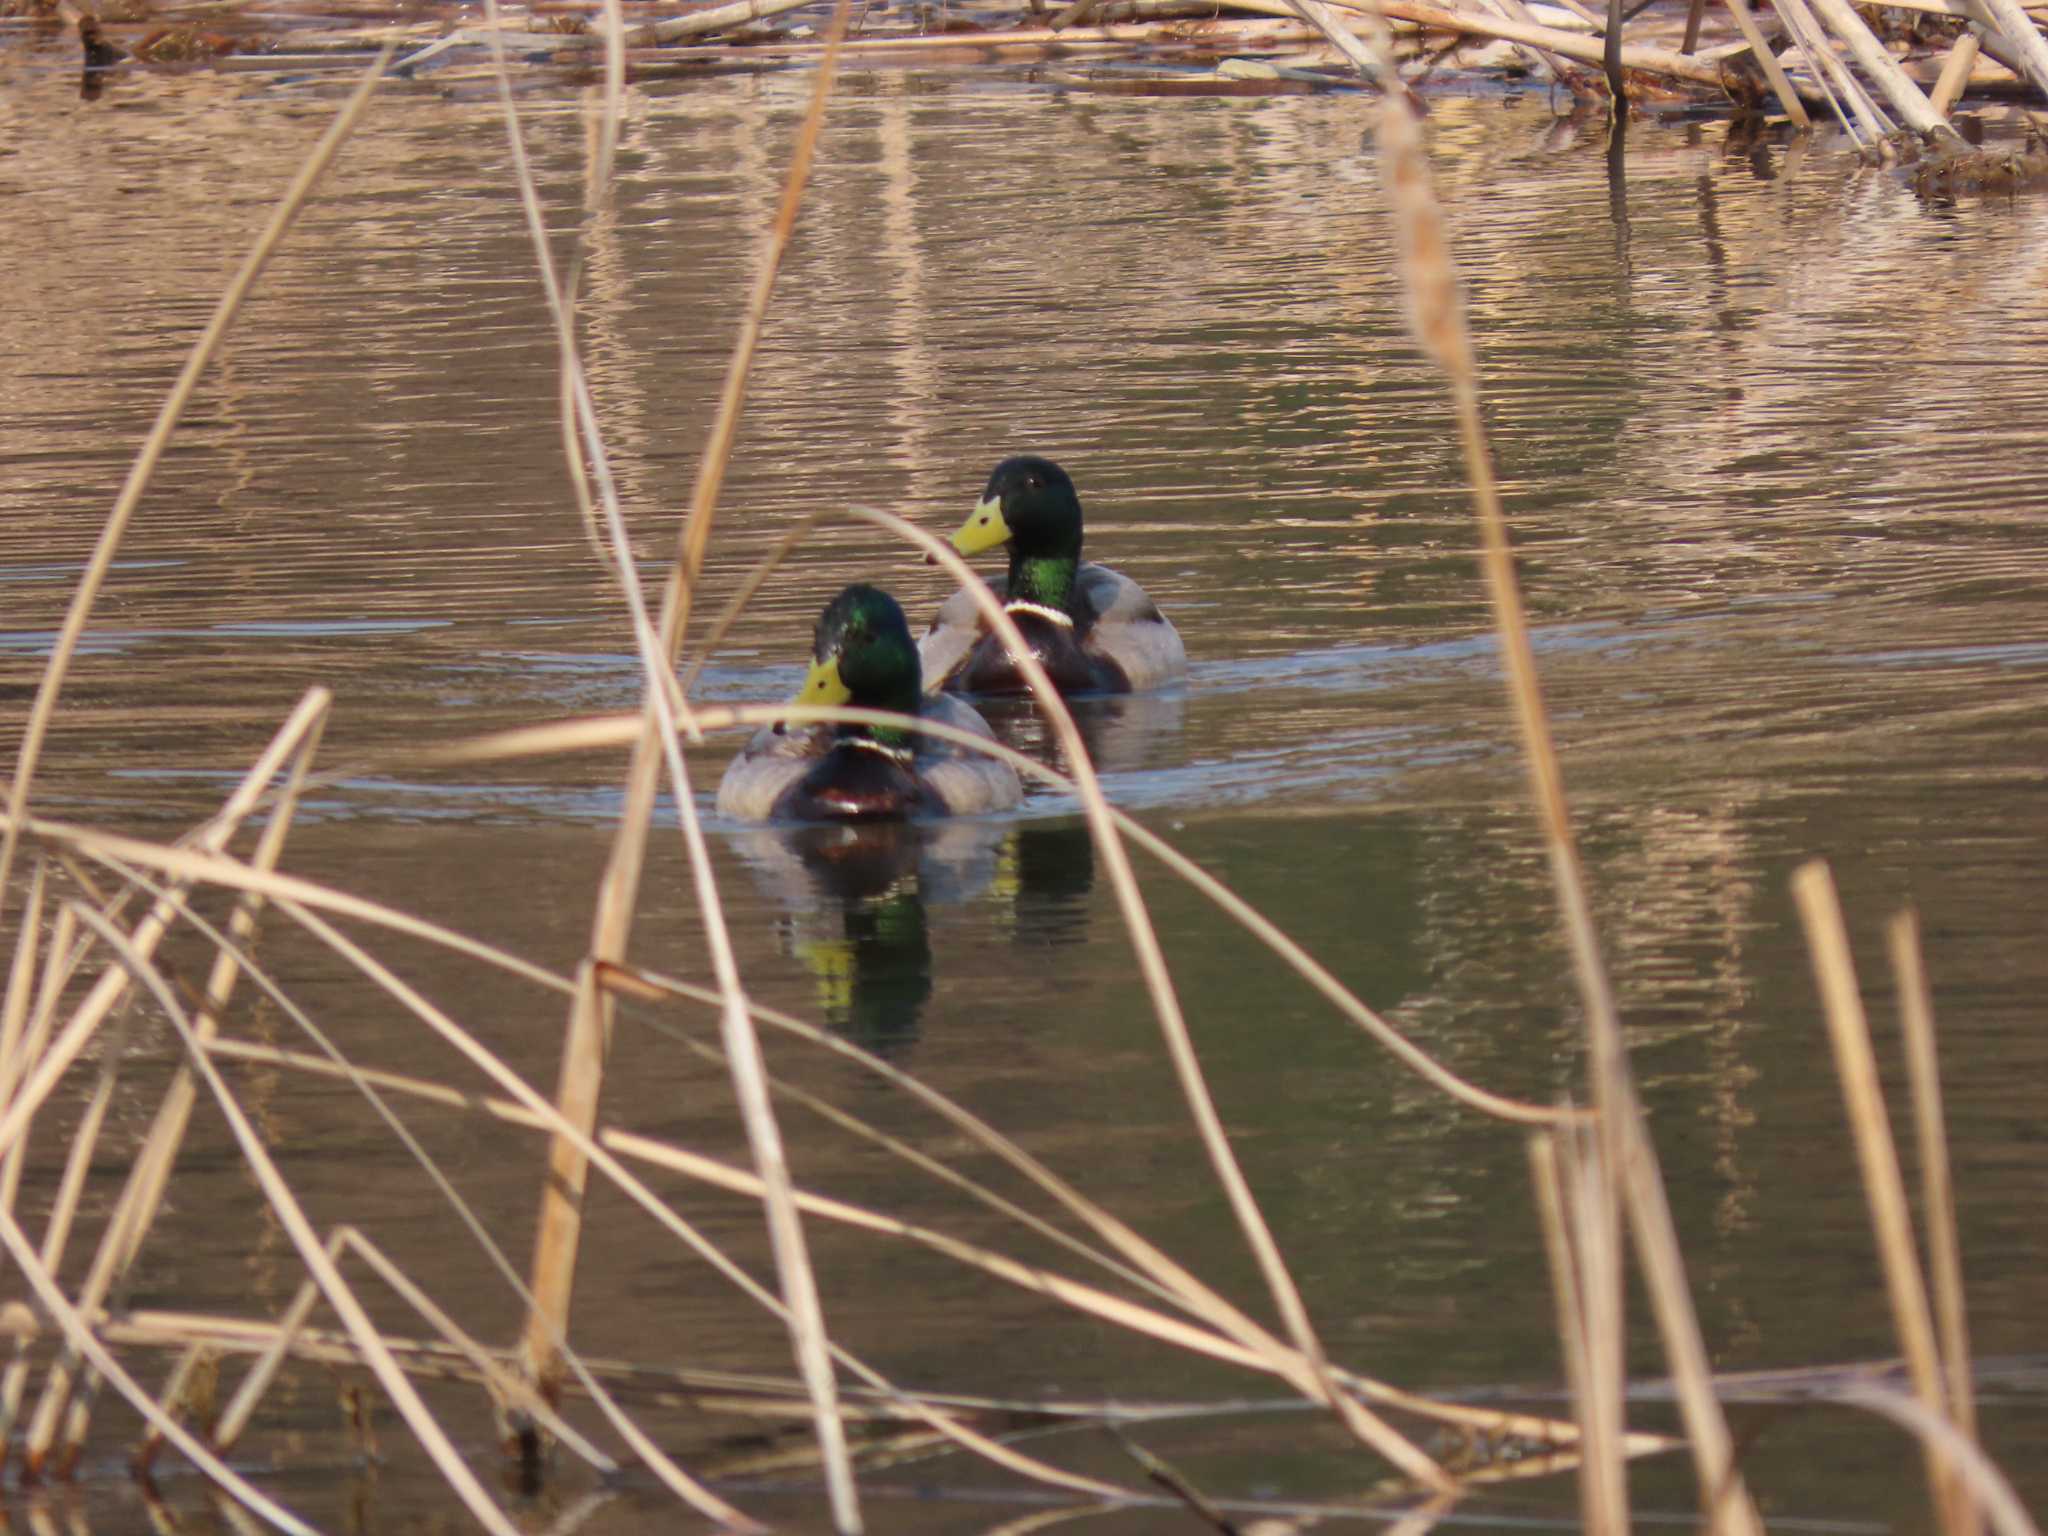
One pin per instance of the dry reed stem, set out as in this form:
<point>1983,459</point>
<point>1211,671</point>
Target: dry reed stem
<point>635,1190</point>
<point>253,1385</point>
<point>80,1339</point>
<point>136,1208</point>
<point>21,972</point>
<point>1906,98</point>
<point>1767,61</point>
<point>370,1080</point>
<point>1593,1228</point>
<point>1955,74</point>
<point>1368,1427</point>
<point>238,874</point>
<point>592,734</point>
<point>232,874</point>
<point>556,1239</point>
<point>806,1318</point>
<point>642,983</point>
<point>116,526</point>
<point>1884,1187</point>
<point>1937,1185</point>
<point>1941,1441</point>
<point>2011,21</point>
<point>1436,312</point>
<point>555,1244</point>
<point>62,938</point>
<point>1580,1286</point>
<point>1821,58</point>
<point>433,1440</point>
<point>498,1379</point>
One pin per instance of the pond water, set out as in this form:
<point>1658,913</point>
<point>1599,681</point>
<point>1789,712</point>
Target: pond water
<point>1775,455</point>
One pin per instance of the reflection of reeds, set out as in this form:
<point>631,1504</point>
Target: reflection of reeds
<point>1577,1182</point>
<point>1596,1174</point>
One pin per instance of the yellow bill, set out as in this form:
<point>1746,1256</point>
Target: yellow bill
<point>984,528</point>
<point>823,685</point>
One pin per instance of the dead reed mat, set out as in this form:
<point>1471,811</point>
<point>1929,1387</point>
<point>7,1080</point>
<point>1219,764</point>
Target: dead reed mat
<point>1893,94</point>
<point>90,910</point>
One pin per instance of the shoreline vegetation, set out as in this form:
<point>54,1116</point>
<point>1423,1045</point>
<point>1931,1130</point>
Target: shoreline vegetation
<point>88,911</point>
<point>1893,76</point>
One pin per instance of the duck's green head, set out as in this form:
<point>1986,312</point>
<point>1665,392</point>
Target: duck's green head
<point>862,654</point>
<point>1030,505</point>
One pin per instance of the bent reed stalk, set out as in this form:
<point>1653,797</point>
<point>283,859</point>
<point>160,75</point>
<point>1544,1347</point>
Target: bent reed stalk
<point>1591,1167</point>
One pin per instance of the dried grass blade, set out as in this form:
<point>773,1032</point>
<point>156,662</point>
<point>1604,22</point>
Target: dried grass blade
<point>619,730</point>
<point>1884,1187</point>
<point>135,1210</point>
<point>1437,316</point>
<point>21,974</point>
<point>311,1252</point>
<point>116,527</point>
<point>678,1482</point>
<point>1993,1494</point>
<point>1367,1426</point>
<point>80,1338</point>
<point>635,1190</point>
<point>1186,1291</point>
<point>1938,1195</point>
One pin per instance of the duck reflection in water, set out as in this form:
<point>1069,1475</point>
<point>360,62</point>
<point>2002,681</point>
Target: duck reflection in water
<point>1123,732</point>
<point>1043,877</point>
<point>855,899</point>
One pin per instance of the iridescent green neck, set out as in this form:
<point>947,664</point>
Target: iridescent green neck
<point>1044,579</point>
<point>886,735</point>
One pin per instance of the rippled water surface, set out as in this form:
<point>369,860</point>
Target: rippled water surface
<point>1776,459</point>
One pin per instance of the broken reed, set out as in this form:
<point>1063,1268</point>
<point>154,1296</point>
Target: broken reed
<point>1590,1175</point>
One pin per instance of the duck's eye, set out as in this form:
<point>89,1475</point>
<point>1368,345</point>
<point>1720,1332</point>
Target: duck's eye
<point>1032,483</point>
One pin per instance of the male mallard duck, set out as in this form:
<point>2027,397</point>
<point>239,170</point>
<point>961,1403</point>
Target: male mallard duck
<point>1092,630</point>
<point>862,655</point>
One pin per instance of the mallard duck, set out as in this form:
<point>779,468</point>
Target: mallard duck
<point>862,655</point>
<point>1093,630</point>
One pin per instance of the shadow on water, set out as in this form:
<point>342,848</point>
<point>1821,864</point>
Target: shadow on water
<point>851,906</point>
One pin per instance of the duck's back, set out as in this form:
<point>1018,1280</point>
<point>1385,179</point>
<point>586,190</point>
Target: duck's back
<point>959,778</point>
<point>1120,642</point>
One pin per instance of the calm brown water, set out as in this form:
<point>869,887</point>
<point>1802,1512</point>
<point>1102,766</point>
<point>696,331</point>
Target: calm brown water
<point>1776,463</point>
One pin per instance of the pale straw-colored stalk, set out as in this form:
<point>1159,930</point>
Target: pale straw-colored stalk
<point>805,1313</point>
<point>1937,1186</point>
<point>1186,1291</point>
<point>637,1191</point>
<point>1877,1157</point>
<point>1767,61</point>
<point>50,1296</point>
<point>345,1240</point>
<point>556,1241</point>
<point>504,1390</point>
<point>1592,1221</point>
<point>1437,317</point>
<point>1954,79</point>
<point>63,937</point>
<point>1367,1426</point>
<point>116,526</point>
<point>277,1193</point>
<point>135,1209</point>
<point>1560,1173</point>
<point>1987,1485</point>
<point>21,973</point>
<point>1907,99</point>
<point>597,733</point>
